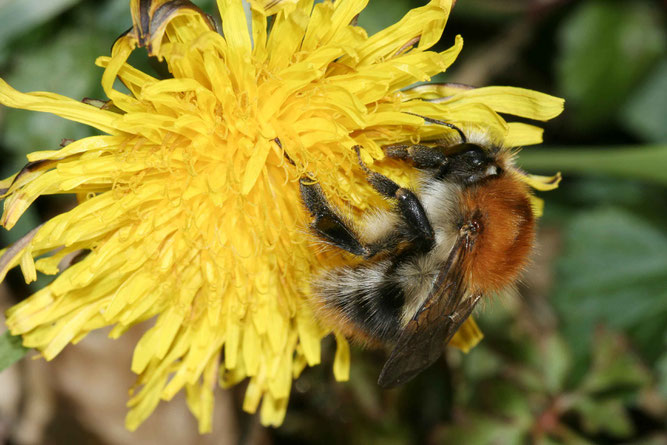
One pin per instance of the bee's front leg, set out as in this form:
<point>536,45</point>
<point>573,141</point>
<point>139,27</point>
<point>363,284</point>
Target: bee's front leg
<point>409,206</point>
<point>328,224</point>
<point>423,156</point>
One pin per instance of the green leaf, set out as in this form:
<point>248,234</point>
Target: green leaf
<point>505,400</point>
<point>11,350</point>
<point>615,370</point>
<point>479,429</point>
<point>661,368</point>
<point>613,270</point>
<point>608,416</point>
<point>657,439</point>
<point>556,362</point>
<point>480,363</point>
<point>645,112</point>
<point>546,440</point>
<point>606,47</point>
<point>565,435</point>
<point>545,363</point>
<point>639,162</point>
<point>19,16</point>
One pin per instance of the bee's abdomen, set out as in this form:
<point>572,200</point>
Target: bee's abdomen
<point>363,301</point>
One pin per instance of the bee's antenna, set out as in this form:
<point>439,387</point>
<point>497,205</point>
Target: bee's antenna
<point>464,140</point>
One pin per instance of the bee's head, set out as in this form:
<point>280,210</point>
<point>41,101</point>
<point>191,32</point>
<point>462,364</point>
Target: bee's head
<point>470,163</point>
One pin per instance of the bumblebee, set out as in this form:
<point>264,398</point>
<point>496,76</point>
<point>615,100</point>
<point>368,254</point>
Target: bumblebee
<point>465,232</point>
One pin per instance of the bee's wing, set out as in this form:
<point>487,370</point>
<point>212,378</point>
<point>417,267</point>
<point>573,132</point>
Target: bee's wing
<point>445,309</point>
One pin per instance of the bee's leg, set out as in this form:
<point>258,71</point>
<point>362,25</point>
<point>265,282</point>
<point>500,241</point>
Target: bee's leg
<point>409,206</point>
<point>328,224</point>
<point>422,155</point>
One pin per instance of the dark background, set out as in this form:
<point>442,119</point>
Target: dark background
<point>576,356</point>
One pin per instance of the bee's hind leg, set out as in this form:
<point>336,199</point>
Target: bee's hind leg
<point>409,206</point>
<point>328,224</point>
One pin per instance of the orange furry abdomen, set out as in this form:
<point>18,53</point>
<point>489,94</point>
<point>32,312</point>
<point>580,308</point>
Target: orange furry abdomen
<point>501,208</point>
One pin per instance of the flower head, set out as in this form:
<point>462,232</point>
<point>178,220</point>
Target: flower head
<point>189,211</point>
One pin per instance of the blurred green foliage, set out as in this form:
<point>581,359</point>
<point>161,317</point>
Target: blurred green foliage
<point>644,113</point>
<point>606,48</point>
<point>580,359</point>
<point>531,400</point>
<point>622,256</point>
<point>11,350</point>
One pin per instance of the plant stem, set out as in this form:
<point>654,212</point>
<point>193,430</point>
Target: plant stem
<point>647,162</point>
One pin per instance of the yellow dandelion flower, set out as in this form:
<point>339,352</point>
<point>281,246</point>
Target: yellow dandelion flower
<point>189,212</point>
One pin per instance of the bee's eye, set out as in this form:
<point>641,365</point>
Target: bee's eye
<point>474,156</point>
<point>470,164</point>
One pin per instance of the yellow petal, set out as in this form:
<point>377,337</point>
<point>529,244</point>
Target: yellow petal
<point>61,106</point>
<point>426,22</point>
<point>541,183</point>
<point>434,92</point>
<point>273,410</point>
<point>520,134</point>
<point>259,35</point>
<point>272,7</point>
<point>287,34</point>
<point>237,36</point>
<point>309,335</point>
<point>341,365</point>
<point>468,336</point>
<point>517,101</point>
<point>537,205</point>
<point>509,100</point>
